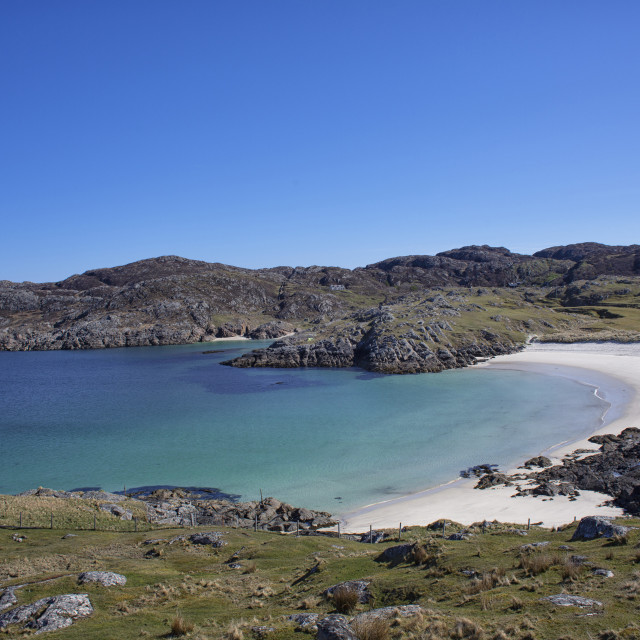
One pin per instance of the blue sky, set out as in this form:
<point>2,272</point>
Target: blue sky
<point>307,132</point>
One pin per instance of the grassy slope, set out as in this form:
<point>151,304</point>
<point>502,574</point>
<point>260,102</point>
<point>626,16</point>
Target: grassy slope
<point>196,583</point>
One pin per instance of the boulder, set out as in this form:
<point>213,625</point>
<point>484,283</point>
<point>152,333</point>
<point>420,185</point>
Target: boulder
<point>7,598</point>
<point>117,510</point>
<point>49,614</point>
<point>598,527</point>
<point>605,573</point>
<point>335,627</point>
<point>105,578</point>
<point>398,553</point>
<point>384,613</point>
<point>372,537</point>
<point>361,587</point>
<point>212,538</point>
<point>538,461</point>
<point>305,620</point>
<point>567,600</point>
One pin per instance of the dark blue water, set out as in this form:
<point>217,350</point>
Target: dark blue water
<point>173,415</point>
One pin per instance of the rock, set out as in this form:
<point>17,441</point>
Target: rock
<point>234,565</point>
<point>117,510</point>
<point>398,553</point>
<point>598,527</point>
<point>105,578</point>
<point>334,627</point>
<point>49,614</point>
<point>305,620</point>
<point>7,598</point>
<point>66,536</point>
<point>372,537</point>
<point>16,537</point>
<point>460,535</point>
<point>262,631</point>
<point>567,600</point>
<point>605,573</point>
<point>384,613</point>
<point>212,538</point>
<point>538,461</point>
<point>532,546</point>
<point>493,480</point>
<point>579,559</point>
<point>361,587</point>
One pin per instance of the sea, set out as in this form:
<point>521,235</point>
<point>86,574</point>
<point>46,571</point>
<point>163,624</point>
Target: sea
<point>330,439</point>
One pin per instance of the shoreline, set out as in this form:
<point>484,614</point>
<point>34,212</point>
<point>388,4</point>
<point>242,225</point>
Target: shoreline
<point>612,369</point>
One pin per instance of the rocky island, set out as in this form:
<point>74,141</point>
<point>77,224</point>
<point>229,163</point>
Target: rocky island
<point>402,315</point>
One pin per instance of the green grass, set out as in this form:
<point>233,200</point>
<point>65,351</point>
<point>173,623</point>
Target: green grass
<point>195,583</point>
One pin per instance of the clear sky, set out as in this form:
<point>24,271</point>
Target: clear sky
<point>261,133</point>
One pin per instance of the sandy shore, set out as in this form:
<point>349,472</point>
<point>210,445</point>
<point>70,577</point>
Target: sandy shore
<point>613,370</point>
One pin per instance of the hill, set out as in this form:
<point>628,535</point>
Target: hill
<point>401,315</point>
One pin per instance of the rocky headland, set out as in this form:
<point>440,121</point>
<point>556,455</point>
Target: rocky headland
<point>402,315</point>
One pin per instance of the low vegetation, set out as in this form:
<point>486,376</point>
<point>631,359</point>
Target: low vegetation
<point>491,586</point>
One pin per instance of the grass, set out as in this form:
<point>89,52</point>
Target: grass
<point>502,599</point>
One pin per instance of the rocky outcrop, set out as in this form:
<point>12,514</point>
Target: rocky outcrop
<point>377,351</point>
<point>49,614</point>
<point>591,527</point>
<point>335,627</point>
<point>613,470</point>
<point>105,578</point>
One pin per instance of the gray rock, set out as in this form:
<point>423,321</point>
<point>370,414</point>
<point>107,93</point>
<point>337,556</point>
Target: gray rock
<point>538,461</point>
<point>398,553</point>
<point>361,587</point>
<point>7,599</point>
<point>567,600</point>
<point>117,510</point>
<point>66,536</point>
<point>461,535</point>
<point>579,559</point>
<point>49,614</point>
<point>234,565</point>
<point>262,631</point>
<point>605,573</point>
<point>372,537</point>
<point>598,527</point>
<point>532,546</point>
<point>334,627</point>
<point>305,620</point>
<point>212,538</point>
<point>384,613</point>
<point>105,578</point>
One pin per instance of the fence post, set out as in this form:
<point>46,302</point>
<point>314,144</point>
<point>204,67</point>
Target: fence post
<point>52,519</point>
<point>399,531</point>
<point>528,524</point>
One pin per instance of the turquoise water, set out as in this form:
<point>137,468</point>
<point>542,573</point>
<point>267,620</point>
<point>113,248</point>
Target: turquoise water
<point>330,439</point>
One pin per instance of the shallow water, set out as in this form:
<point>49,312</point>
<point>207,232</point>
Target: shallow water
<point>330,439</point>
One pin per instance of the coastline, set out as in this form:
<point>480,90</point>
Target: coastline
<point>612,369</point>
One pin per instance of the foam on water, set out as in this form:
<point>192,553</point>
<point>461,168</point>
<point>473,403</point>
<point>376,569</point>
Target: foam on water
<point>331,439</point>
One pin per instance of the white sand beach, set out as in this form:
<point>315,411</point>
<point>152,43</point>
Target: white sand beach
<point>612,369</point>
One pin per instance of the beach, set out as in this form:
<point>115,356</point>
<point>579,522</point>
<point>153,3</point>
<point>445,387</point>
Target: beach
<point>611,369</point>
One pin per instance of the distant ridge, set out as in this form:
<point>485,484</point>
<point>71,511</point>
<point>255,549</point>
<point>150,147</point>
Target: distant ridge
<point>174,300</point>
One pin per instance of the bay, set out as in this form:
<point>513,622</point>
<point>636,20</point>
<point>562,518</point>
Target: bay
<point>327,439</point>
